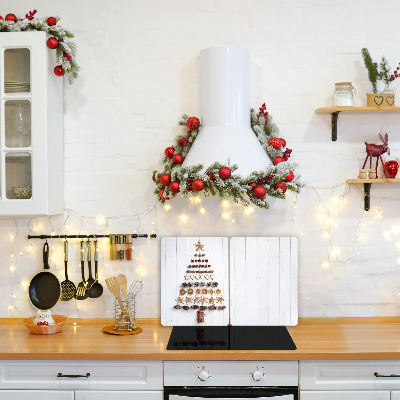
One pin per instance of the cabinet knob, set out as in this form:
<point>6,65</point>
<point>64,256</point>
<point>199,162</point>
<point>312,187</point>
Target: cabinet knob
<point>204,375</point>
<point>257,375</point>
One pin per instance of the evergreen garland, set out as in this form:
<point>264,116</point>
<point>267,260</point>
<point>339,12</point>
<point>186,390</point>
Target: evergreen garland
<point>66,50</point>
<point>236,186</point>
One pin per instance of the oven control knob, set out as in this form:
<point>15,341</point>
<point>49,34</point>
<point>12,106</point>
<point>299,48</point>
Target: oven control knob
<point>257,375</point>
<point>204,375</point>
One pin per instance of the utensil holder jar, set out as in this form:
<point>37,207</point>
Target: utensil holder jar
<point>125,315</point>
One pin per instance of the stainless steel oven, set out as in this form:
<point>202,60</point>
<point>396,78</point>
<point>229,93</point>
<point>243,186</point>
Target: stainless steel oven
<point>226,380</point>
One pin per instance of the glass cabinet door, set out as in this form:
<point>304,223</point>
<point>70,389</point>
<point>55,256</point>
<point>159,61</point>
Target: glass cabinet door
<point>16,125</point>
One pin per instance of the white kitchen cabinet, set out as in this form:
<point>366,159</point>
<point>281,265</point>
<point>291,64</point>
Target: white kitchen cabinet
<point>345,395</point>
<point>31,127</point>
<point>36,395</point>
<point>117,395</point>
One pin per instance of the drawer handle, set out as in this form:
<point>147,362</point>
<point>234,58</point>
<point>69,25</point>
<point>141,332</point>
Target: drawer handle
<point>386,376</point>
<point>60,375</point>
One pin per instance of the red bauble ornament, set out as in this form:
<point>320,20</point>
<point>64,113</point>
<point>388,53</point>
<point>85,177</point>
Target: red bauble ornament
<point>193,123</point>
<point>259,192</point>
<point>391,168</point>
<point>1,18</point>
<point>59,71</point>
<point>52,43</point>
<point>225,173</point>
<point>252,184</point>
<point>283,142</point>
<point>290,177</point>
<point>282,186</point>
<point>165,179</point>
<point>11,17</point>
<point>162,196</point>
<point>277,160</point>
<point>154,179</point>
<point>177,158</point>
<point>174,187</point>
<point>275,142</point>
<point>51,21</point>
<point>169,151</point>
<point>198,185</point>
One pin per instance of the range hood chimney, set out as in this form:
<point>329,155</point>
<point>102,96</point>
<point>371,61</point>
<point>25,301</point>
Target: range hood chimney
<point>226,135</point>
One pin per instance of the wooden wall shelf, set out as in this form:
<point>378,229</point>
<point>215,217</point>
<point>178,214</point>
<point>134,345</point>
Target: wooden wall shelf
<point>367,187</point>
<point>336,110</point>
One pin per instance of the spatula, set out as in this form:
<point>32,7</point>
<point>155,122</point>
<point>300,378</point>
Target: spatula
<point>115,290</point>
<point>81,290</point>
<point>123,284</point>
<point>68,288</point>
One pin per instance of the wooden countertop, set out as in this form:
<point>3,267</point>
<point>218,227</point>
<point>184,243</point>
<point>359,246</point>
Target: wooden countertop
<point>315,338</point>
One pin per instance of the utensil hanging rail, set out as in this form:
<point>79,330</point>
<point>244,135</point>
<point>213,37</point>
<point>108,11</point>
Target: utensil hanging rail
<point>134,236</point>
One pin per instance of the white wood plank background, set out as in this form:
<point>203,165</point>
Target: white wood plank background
<point>264,281</point>
<point>176,255</point>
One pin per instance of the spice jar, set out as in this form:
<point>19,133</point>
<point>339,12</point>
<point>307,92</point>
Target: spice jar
<point>120,247</point>
<point>113,247</point>
<point>343,96</point>
<point>128,247</point>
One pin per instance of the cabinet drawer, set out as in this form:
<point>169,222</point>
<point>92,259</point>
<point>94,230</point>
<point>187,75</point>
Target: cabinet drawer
<point>117,395</point>
<point>345,395</point>
<point>35,395</point>
<point>125,375</point>
<point>350,375</point>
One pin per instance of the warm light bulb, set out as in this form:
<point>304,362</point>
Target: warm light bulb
<point>202,210</point>
<point>386,235</point>
<point>167,207</point>
<point>325,235</point>
<point>398,260</point>
<point>10,308</point>
<point>328,221</point>
<point>198,200</point>
<point>11,237</point>
<point>12,255</point>
<point>326,264</point>
<point>184,217</point>
<point>334,199</point>
<point>247,212</point>
<point>11,268</point>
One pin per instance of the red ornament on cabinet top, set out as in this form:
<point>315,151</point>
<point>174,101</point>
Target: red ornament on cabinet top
<point>198,185</point>
<point>174,187</point>
<point>52,43</point>
<point>225,173</point>
<point>51,21</point>
<point>169,151</point>
<point>1,18</point>
<point>11,17</point>
<point>277,160</point>
<point>282,186</point>
<point>59,71</point>
<point>165,179</point>
<point>177,158</point>
<point>193,123</point>
<point>276,143</point>
<point>283,142</point>
<point>290,177</point>
<point>391,168</point>
<point>259,192</point>
<point>162,195</point>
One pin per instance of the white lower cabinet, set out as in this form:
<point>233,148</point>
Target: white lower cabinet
<point>117,395</point>
<point>345,395</point>
<point>36,395</point>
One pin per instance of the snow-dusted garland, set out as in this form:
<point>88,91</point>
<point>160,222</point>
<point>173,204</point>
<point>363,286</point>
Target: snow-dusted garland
<point>65,48</point>
<point>218,178</point>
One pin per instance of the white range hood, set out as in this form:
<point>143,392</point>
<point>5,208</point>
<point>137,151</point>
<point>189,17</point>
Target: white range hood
<point>226,134</point>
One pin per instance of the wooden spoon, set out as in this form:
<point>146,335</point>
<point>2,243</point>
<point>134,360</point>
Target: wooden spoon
<point>123,284</point>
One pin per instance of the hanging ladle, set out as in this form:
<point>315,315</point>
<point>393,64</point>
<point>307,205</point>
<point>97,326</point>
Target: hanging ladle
<point>96,289</point>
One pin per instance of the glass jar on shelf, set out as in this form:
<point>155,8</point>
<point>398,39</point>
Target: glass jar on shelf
<point>113,247</point>
<point>120,247</point>
<point>343,95</point>
<point>128,247</point>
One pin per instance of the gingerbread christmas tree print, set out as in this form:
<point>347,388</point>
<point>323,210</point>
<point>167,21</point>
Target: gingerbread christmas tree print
<point>199,291</point>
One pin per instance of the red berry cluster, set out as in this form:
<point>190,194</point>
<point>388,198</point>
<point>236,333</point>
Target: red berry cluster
<point>396,73</point>
<point>282,186</point>
<point>183,142</point>
<point>286,154</point>
<point>211,176</point>
<point>189,182</point>
<point>265,179</point>
<point>67,56</point>
<point>263,113</point>
<point>31,15</point>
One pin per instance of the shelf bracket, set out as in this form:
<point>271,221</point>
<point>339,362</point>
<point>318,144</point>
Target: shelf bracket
<point>335,116</point>
<point>367,196</point>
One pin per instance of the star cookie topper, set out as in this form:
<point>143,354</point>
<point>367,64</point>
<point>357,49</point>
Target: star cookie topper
<point>199,246</point>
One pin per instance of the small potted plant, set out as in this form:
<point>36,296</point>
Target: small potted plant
<point>386,97</point>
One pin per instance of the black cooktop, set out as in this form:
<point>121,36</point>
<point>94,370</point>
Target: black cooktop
<point>230,338</point>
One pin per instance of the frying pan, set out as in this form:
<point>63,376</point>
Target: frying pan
<point>44,289</point>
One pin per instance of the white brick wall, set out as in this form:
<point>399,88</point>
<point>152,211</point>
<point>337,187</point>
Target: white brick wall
<point>139,74</point>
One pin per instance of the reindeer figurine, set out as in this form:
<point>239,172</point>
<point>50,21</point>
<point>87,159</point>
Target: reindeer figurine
<point>376,150</point>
